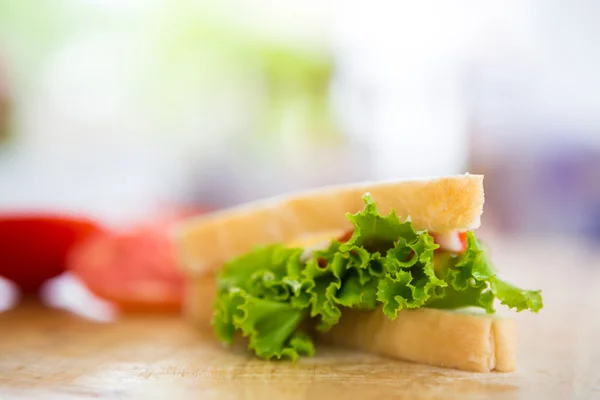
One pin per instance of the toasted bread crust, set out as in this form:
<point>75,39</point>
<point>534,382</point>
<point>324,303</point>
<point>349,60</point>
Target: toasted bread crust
<point>436,204</point>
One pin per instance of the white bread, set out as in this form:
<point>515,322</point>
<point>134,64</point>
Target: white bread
<point>200,293</point>
<point>470,342</point>
<point>438,204</point>
<point>436,337</point>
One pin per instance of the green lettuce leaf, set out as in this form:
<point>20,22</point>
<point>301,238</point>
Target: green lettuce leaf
<point>474,282</point>
<point>271,295</point>
<point>514,297</point>
<point>265,266</point>
<point>272,327</point>
<point>376,232</point>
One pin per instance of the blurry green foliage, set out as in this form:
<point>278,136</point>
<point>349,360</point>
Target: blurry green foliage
<point>181,47</point>
<point>192,44</point>
<point>29,31</point>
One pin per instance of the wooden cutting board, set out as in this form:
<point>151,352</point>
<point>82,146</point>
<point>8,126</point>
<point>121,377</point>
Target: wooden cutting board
<point>52,354</point>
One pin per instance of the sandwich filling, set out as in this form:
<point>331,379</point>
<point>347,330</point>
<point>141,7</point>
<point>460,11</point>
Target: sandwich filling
<point>276,295</point>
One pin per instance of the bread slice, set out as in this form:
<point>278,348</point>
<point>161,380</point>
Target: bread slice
<point>199,296</point>
<point>437,337</point>
<point>469,342</point>
<point>437,204</point>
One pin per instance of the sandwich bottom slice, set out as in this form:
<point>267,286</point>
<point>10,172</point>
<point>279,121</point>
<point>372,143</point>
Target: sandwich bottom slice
<point>385,285</point>
<point>470,342</point>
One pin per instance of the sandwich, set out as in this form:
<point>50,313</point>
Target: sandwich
<point>392,268</point>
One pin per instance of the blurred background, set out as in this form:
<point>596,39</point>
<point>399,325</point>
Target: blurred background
<point>113,109</point>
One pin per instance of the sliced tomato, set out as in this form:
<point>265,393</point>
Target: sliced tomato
<point>462,236</point>
<point>135,269</point>
<point>455,242</point>
<point>346,236</point>
<point>34,247</point>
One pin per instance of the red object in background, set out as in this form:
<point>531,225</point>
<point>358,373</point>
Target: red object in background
<point>136,269</point>
<point>34,248</point>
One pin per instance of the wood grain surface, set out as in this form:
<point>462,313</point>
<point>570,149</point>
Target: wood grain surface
<point>51,354</point>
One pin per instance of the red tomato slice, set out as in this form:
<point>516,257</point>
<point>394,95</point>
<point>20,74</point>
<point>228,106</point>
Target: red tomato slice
<point>454,242</point>
<point>463,240</point>
<point>34,248</point>
<point>137,269</point>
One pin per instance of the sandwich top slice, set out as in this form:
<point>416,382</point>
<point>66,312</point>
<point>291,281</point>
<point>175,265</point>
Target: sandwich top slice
<point>384,267</point>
